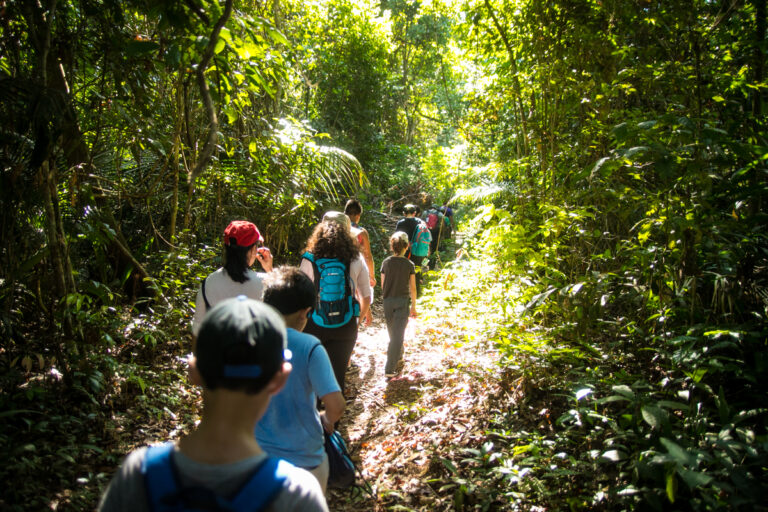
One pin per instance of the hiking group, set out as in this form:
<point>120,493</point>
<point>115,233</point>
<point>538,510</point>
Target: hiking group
<point>270,351</point>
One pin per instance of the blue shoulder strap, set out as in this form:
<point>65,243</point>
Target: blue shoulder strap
<point>160,480</point>
<point>264,485</point>
<point>159,476</point>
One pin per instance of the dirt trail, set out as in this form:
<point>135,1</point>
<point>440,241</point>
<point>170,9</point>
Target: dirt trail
<point>399,429</point>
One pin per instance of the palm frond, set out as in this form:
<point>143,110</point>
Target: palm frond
<point>485,192</point>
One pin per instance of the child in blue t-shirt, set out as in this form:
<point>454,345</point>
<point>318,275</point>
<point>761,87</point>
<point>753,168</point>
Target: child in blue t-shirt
<point>398,283</point>
<point>292,428</point>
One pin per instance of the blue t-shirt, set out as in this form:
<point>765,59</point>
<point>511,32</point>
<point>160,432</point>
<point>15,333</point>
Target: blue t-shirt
<point>290,428</point>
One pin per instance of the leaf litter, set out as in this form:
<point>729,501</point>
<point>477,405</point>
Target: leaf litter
<point>403,432</point>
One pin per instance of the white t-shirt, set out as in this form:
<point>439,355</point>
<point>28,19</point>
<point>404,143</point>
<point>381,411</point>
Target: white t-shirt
<point>219,286</point>
<point>358,271</point>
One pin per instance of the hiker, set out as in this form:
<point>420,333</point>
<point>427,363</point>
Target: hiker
<point>447,211</point>
<point>398,284</point>
<point>242,247</point>
<point>437,225</point>
<point>419,239</point>
<point>240,361</point>
<point>332,260</point>
<point>291,428</point>
<point>354,211</point>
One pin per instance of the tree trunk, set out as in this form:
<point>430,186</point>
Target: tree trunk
<point>175,162</point>
<point>515,82</point>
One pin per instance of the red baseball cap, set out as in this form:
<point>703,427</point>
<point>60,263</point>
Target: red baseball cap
<point>243,232</point>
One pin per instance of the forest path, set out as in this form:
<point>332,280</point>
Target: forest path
<point>398,429</point>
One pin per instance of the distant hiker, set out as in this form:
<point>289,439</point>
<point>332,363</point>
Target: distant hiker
<point>419,239</point>
<point>291,428</point>
<point>438,227</point>
<point>448,212</point>
<point>240,360</point>
<point>398,284</point>
<point>354,211</point>
<point>242,247</point>
<point>332,260</point>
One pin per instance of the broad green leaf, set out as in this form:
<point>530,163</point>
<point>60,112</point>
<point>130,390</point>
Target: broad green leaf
<point>675,406</point>
<point>695,478</point>
<point>653,416</point>
<point>678,453</point>
<point>623,390</point>
<point>220,45</point>
<point>277,36</point>
<point>613,455</point>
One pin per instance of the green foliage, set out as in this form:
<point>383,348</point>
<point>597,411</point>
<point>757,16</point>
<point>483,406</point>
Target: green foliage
<point>611,157</point>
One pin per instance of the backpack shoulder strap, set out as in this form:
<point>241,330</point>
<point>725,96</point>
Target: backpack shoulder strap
<point>414,238</point>
<point>159,474</point>
<point>205,299</point>
<point>263,486</point>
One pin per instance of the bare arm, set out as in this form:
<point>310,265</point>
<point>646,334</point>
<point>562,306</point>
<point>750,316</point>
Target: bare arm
<point>413,295</point>
<point>365,247</point>
<point>365,305</point>
<point>334,408</point>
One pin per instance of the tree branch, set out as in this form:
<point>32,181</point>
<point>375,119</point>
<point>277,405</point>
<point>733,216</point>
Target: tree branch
<point>205,93</point>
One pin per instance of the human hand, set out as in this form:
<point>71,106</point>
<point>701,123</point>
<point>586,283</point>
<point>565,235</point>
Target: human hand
<point>324,422</point>
<point>265,258</point>
<point>413,313</point>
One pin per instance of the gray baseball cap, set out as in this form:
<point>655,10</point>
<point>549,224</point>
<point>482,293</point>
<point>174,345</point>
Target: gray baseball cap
<point>241,345</point>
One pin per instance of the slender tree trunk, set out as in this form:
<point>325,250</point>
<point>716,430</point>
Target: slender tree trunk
<point>515,82</point>
<point>278,20</point>
<point>175,161</point>
<point>757,102</point>
<point>205,93</point>
<point>760,13</point>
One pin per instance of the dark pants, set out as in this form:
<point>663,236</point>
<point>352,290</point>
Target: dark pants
<point>434,246</point>
<point>396,315</point>
<point>339,342</point>
<point>417,261</point>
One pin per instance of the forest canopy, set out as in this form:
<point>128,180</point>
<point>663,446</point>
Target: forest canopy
<point>607,160</point>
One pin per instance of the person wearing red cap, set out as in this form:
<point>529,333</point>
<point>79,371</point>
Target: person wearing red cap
<point>242,248</point>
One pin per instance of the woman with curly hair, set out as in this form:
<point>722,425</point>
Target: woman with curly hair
<point>332,242</point>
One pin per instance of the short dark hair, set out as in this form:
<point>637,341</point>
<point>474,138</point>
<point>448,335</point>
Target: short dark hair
<point>288,289</point>
<point>353,207</point>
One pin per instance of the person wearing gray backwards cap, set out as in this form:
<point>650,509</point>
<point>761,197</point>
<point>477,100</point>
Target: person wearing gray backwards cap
<point>240,360</point>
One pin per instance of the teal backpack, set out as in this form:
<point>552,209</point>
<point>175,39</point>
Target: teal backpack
<point>420,240</point>
<point>336,304</point>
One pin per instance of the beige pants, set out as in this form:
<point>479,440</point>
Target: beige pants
<point>321,472</point>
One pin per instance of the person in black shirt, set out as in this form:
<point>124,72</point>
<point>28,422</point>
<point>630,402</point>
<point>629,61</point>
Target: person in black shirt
<point>408,225</point>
